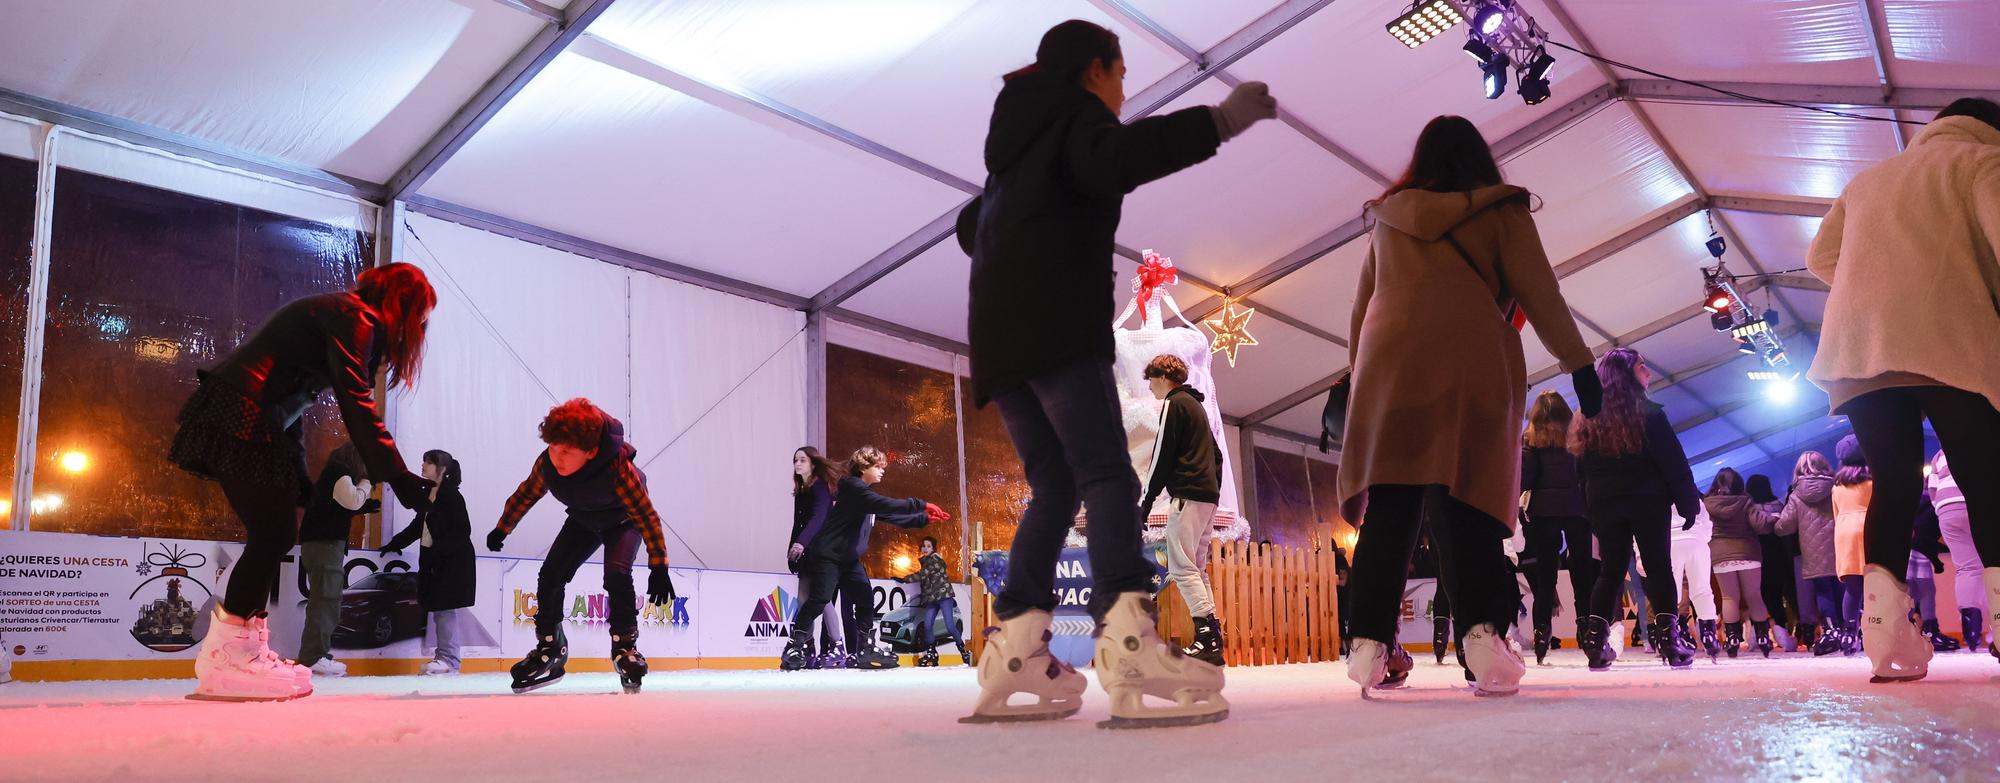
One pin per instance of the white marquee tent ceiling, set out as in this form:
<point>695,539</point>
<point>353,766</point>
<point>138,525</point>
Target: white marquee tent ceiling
<point>812,152</point>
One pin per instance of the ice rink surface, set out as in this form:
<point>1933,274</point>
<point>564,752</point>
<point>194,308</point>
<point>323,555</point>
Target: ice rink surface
<point>1789,718</point>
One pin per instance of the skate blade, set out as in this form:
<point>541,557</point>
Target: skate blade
<point>1018,717</point>
<point>537,686</point>
<point>1493,694</point>
<point>1116,722</point>
<point>244,699</point>
<point>631,690</point>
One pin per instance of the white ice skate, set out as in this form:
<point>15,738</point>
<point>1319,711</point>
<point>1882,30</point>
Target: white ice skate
<point>1132,664</point>
<point>301,675</point>
<point>328,667</point>
<point>1017,660</point>
<point>235,664</point>
<point>435,668</point>
<point>1367,664</point>
<point>1889,631</point>
<point>6,665</point>
<point>1496,665</point>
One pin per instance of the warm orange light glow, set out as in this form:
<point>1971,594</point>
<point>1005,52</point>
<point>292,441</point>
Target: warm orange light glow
<point>74,461</point>
<point>902,562</point>
<point>6,507</point>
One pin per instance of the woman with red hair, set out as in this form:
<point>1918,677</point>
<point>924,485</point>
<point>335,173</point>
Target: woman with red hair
<point>241,429</point>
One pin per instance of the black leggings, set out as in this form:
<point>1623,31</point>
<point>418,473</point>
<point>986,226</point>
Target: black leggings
<point>574,544</point>
<point>270,516</point>
<point>1547,538</point>
<point>1619,523</point>
<point>1472,566</point>
<point>823,577</point>
<point>1890,426</point>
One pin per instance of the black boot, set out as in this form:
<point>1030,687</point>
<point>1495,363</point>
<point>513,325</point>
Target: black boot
<point>1850,639</point>
<point>1207,644</point>
<point>1805,634</point>
<point>1440,637</point>
<point>964,654</point>
<point>1735,641</point>
<point>543,665</point>
<point>627,660</point>
<point>928,659</point>
<point>1593,637</point>
<point>1829,641</point>
<point>1763,630</point>
<point>1638,633</point>
<point>1708,642</point>
<point>1971,626</point>
<point>868,656</point>
<point>1939,641</point>
<point>1542,640</point>
<point>798,652</point>
<point>1665,636</point>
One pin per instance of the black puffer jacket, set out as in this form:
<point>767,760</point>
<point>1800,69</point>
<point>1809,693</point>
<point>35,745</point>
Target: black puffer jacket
<point>1658,471</point>
<point>1551,476</point>
<point>1058,167</point>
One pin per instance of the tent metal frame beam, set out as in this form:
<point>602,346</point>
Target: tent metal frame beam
<point>1817,412</point>
<point>575,245</point>
<point>1815,95</point>
<point>1173,85</point>
<point>544,48</point>
<point>130,132</point>
<point>1771,206</point>
<point>547,13</point>
<point>1875,20</point>
<point>897,330</point>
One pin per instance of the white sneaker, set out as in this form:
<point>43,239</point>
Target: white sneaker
<point>1367,664</point>
<point>1017,660</point>
<point>436,667</point>
<point>1496,666</point>
<point>1132,664</point>
<point>1890,633</point>
<point>234,664</point>
<point>328,667</point>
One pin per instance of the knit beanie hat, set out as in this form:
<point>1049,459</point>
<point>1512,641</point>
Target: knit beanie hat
<point>1848,451</point>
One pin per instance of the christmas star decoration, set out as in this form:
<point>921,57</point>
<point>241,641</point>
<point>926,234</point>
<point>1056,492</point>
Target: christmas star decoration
<point>1231,329</point>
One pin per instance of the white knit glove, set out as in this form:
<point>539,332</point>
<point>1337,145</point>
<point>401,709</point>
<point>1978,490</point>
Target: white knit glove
<point>1245,106</point>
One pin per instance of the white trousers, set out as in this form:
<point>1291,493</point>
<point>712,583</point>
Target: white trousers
<point>1692,567</point>
<point>1190,525</point>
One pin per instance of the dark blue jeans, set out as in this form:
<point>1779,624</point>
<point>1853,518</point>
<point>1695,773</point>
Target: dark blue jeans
<point>1068,430</point>
<point>927,616</point>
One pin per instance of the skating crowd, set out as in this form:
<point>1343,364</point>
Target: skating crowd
<point>1429,421</point>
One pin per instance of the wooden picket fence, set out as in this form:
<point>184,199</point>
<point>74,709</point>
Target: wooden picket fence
<point>1277,604</point>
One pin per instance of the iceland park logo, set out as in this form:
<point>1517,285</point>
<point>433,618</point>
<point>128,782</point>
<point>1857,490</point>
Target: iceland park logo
<point>772,616</point>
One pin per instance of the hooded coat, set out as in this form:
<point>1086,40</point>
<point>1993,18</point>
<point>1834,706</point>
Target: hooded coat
<point>1439,381</point>
<point>447,573</point>
<point>1909,251</point>
<point>1058,167</point>
<point>1736,528</point>
<point>1808,512</point>
<point>1186,462</point>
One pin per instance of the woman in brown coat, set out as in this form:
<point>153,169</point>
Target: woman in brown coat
<point>1439,389</point>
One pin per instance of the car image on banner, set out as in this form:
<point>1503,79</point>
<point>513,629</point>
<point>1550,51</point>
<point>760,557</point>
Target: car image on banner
<point>379,609</point>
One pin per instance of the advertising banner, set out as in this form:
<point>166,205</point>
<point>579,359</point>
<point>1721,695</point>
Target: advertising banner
<point>69,597</point>
<point>667,631</point>
<point>749,615</point>
<point>380,615</point>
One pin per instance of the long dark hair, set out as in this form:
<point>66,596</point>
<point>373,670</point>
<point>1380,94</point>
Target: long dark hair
<point>1068,49</point>
<point>1853,463</point>
<point>1727,482</point>
<point>824,472</point>
<point>448,474</point>
<point>1548,422</point>
<point>401,295</point>
<point>1620,427</point>
<point>1759,487</point>
<point>1451,157</point>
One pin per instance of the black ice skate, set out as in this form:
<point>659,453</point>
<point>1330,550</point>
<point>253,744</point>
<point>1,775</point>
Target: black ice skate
<point>1440,637</point>
<point>1543,638</point>
<point>928,659</point>
<point>1593,637</point>
<point>626,658</point>
<point>543,665</point>
<point>1708,643</point>
<point>1762,631</point>
<point>1207,644</point>
<point>798,653</point>
<point>1666,641</point>
<point>869,657</point>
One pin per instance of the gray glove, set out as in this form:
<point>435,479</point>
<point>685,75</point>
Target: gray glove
<point>1248,103</point>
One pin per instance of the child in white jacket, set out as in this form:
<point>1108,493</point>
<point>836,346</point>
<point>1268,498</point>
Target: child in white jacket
<point>1692,566</point>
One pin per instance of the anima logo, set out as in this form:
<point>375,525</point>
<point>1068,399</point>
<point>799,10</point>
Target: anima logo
<point>772,616</point>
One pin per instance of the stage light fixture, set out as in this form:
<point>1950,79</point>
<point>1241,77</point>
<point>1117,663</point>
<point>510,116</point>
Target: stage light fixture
<point>1423,21</point>
<point>1721,321</point>
<point>1478,50</point>
<point>1751,329</point>
<point>1763,375</point>
<point>1745,346</point>
<point>1716,246</point>
<point>1496,75</point>
<point>1489,19</point>
<point>1535,78</point>
<point>1774,355</point>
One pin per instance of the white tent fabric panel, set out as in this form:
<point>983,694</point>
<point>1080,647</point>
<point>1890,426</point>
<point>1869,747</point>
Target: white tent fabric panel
<point>1263,195</point>
<point>1596,179</point>
<point>1283,361</point>
<point>930,293</point>
<point>1943,43</point>
<point>718,407</point>
<point>1649,280</point>
<point>1727,383</point>
<point>1790,41</point>
<point>1303,419</point>
<point>918,76</point>
<point>1536,356</point>
<point>595,151</point>
<point>1686,344</point>
<point>1680,406</point>
<point>1322,293</point>
<point>512,318</point>
<point>20,138</point>
<point>1740,457</point>
<point>1345,75</point>
<point>1779,241</point>
<point>1709,435</point>
<point>364,82</point>
<point>119,160</point>
<point>1204,23</point>
<point>1773,152</point>
<point>1765,414</point>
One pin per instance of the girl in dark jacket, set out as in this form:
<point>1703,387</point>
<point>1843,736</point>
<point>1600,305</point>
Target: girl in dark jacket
<point>813,480</point>
<point>1635,475</point>
<point>446,575</point>
<point>1808,513</point>
<point>1059,163</point>
<point>833,564</point>
<point>934,601</point>
<point>1555,521</point>
<point>1738,560</point>
<point>1780,579</point>
<point>241,429</point>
